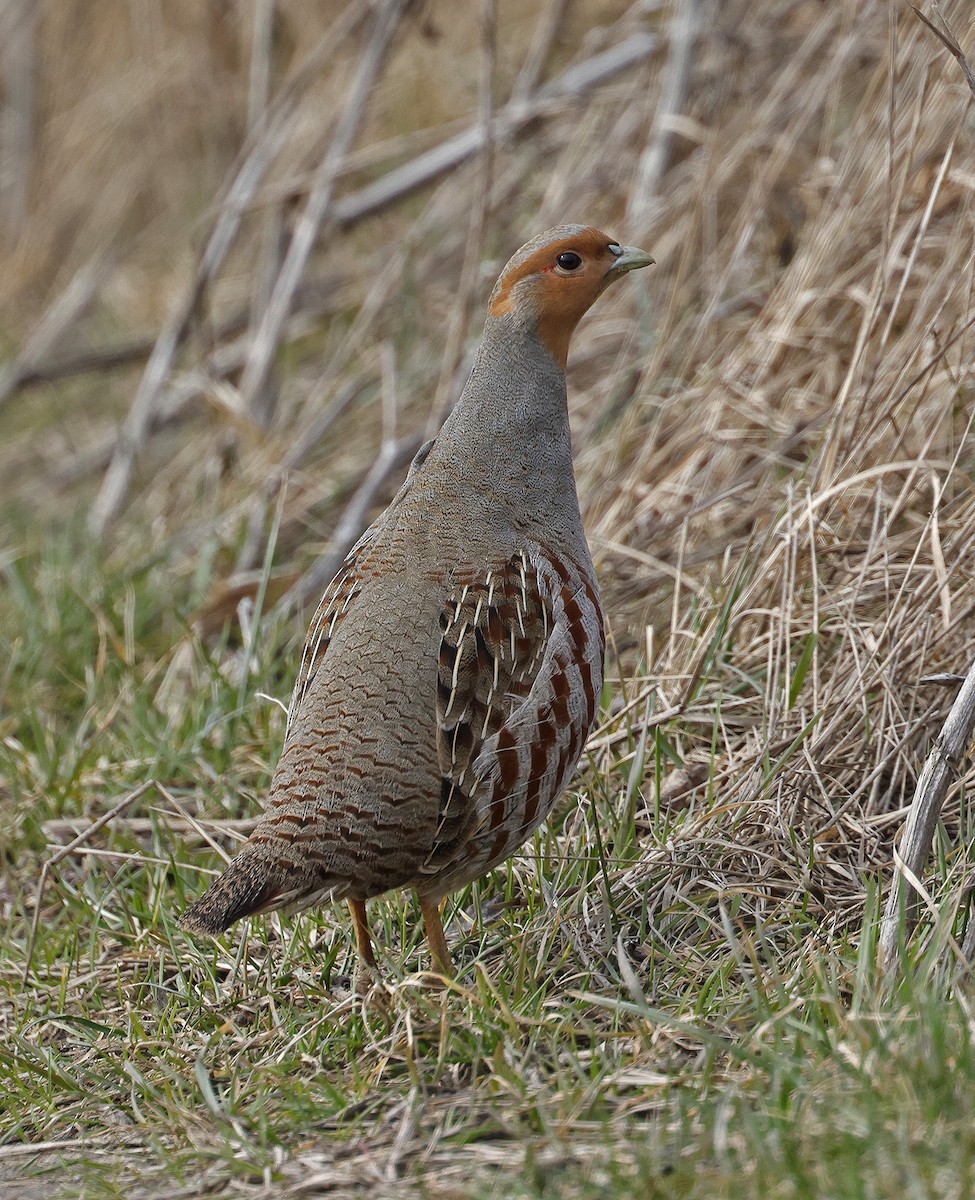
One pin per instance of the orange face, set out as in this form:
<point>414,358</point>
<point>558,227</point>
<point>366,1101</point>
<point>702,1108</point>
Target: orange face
<point>553,280</point>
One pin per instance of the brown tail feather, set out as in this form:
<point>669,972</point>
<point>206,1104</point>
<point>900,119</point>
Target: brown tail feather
<point>242,890</point>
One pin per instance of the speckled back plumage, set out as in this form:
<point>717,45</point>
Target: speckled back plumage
<point>452,671</point>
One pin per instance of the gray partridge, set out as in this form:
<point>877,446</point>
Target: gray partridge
<point>452,671</point>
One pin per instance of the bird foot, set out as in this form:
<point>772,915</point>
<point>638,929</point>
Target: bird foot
<point>364,980</point>
<point>369,987</point>
<point>436,980</point>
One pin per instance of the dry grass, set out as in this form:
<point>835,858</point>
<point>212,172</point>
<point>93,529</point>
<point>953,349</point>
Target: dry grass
<point>775,460</point>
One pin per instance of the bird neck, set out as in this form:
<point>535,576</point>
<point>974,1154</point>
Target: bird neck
<point>511,424</point>
<point>516,389</point>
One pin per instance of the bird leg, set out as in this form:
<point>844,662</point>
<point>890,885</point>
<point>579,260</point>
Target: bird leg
<point>434,928</point>
<point>362,939</point>
<point>364,978</point>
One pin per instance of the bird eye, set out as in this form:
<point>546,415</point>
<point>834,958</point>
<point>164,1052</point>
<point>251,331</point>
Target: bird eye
<point>569,261</point>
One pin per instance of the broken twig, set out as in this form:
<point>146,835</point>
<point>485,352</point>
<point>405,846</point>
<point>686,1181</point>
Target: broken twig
<point>940,771</point>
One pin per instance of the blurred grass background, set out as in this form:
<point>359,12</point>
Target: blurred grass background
<point>244,253</point>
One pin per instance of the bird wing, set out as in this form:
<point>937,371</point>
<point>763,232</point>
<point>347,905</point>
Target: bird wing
<point>335,603</point>
<point>520,669</point>
<point>343,589</point>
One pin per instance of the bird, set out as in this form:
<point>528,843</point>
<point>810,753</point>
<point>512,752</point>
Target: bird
<point>453,669</point>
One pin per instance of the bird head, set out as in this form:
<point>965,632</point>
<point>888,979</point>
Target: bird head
<point>553,279</point>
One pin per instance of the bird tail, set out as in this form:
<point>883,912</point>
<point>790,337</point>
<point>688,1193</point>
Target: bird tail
<point>245,888</point>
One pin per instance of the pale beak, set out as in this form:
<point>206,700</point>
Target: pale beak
<point>629,258</point>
